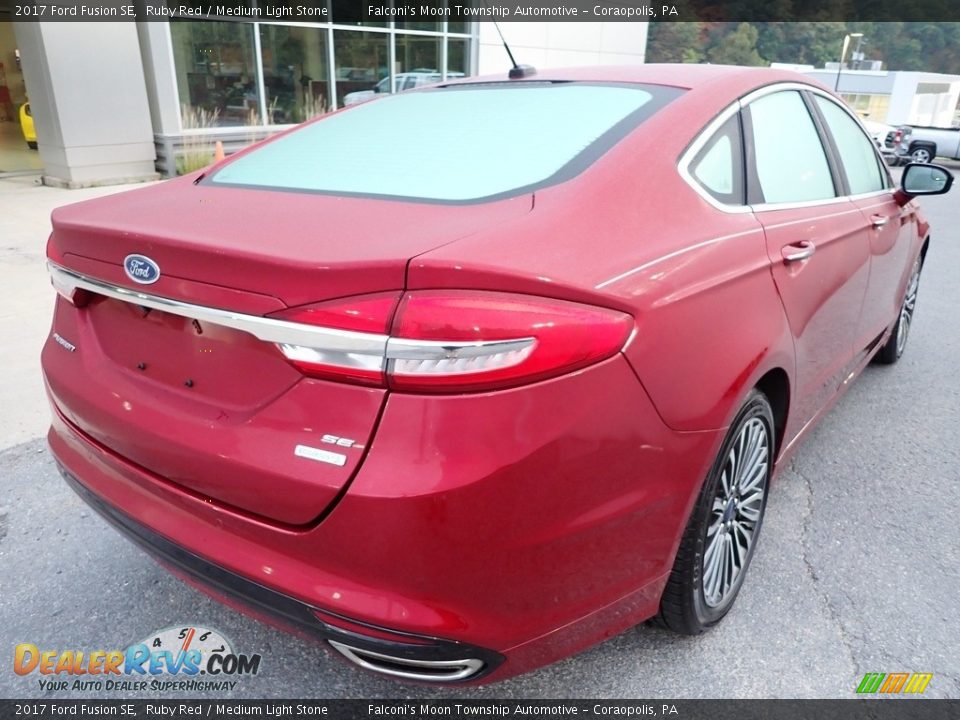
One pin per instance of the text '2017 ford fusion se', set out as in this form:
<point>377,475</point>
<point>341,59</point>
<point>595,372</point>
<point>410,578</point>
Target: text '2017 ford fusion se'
<point>468,378</point>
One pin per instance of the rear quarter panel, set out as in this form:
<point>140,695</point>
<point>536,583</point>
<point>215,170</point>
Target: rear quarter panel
<point>629,233</point>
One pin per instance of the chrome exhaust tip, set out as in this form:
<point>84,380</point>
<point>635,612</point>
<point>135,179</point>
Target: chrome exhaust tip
<point>423,670</point>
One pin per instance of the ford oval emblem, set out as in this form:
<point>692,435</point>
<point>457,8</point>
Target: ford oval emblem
<point>141,269</point>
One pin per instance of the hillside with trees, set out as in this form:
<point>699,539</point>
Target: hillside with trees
<point>932,47</point>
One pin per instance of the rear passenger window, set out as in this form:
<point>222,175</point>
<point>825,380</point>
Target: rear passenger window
<point>856,150</point>
<point>791,164</point>
<point>718,167</point>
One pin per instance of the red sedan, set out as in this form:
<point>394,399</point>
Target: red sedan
<point>466,379</point>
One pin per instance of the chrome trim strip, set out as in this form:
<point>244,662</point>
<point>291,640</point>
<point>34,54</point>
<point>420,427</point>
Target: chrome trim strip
<point>403,349</point>
<point>851,210</point>
<point>872,193</point>
<point>341,347</point>
<point>309,343</point>
<point>878,152</point>
<point>764,207</point>
<point>456,669</point>
<point>705,135</point>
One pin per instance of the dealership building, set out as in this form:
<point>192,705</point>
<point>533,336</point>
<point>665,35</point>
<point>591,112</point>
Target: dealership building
<point>895,97</point>
<point>125,101</point>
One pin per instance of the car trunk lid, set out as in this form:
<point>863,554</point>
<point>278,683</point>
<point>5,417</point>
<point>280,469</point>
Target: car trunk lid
<point>210,406</point>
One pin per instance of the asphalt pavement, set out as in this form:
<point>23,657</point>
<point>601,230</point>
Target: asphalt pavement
<point>858,568</point>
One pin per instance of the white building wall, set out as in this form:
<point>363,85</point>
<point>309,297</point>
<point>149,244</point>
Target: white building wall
<point>561,44</point>
<point>157,56</point>
<point>906,106</point>
<point>89,101</point>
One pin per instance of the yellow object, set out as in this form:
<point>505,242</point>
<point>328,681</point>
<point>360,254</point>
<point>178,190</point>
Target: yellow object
<point>26,125</point>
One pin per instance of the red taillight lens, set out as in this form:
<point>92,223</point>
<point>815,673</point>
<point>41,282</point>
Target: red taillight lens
<point>363,313</point>
<point>348,354</point>
<point>449,340</point>
<point>470,340</point>
<point>71,294</point>
<point>897,137</point>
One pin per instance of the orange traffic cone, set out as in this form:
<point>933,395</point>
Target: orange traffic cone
<point>218,154</point>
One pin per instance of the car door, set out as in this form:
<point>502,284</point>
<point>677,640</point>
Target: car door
<point>888,225</point>
<point>816,242</point>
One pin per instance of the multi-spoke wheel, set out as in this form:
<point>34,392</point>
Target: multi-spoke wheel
<point>736,511</point>
<point>895,346</point>
<point>722,532</point>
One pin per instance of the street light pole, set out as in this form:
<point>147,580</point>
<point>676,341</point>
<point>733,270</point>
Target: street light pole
<point>843,53</point>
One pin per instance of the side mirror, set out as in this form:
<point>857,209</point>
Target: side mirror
<point>925,179</point>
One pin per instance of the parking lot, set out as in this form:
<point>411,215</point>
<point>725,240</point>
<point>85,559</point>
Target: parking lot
<point>858,569</point>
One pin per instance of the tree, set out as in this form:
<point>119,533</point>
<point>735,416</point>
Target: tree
<point>736,48</point>
<point>674,42</point>
<point>802,43</point>
<point>900,45</point>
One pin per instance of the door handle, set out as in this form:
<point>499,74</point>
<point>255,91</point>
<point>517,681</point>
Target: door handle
<point>795,252</point>
<point>878,221</point>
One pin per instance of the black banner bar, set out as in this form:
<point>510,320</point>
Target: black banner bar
<point>854,709</point>
<point>353,11</point>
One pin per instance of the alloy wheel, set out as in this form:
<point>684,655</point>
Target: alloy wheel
<point>921,155</point>
<point>906,310</point>
<point>736,511</point>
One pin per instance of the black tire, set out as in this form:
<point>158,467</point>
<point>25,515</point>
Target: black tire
<point>31,144</point>
<point>684,607</point>
<point>922,153</point>
<point>893,349</point>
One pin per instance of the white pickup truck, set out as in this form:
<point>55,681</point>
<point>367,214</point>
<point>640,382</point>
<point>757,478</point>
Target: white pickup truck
<point>922,144</point>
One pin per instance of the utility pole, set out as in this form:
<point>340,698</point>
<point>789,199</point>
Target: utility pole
<point>843,54</point>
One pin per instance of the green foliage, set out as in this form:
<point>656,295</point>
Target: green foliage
<point>675,42</point>
<point>930,47</point>
<point>736,48</point>
<point>197,150</point>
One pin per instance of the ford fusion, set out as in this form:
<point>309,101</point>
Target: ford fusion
<point>466,379</point>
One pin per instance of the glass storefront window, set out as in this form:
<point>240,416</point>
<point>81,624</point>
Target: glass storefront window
<point>294,72</point>
<point>219,74</point>
<point>417,61</point>
<point>461,26</point>
<point>425,26</point>
<point>871,107</point>
<point>458,57</point>
<point>216,73</point>
<point>361,62</point>
<point>422,22</point>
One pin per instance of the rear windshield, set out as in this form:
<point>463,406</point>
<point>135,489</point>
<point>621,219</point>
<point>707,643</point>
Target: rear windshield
<point>458,144</point>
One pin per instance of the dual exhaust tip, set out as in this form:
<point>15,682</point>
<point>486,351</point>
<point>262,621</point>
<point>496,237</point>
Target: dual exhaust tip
<point>410,669</point>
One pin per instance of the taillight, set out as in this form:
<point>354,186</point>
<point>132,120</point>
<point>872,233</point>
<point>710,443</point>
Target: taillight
<point>352,354</point>
<point>73,295</point>
<point>68,291</point>
<point>446,340</point>
<point>897,137</point>
<point>453,340</point>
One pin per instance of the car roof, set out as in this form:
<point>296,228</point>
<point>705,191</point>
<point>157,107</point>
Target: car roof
<point>679,75</point>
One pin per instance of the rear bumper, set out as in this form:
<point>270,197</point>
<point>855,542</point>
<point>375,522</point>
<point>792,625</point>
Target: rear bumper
<point>413,657</point>
<point>517,540</point>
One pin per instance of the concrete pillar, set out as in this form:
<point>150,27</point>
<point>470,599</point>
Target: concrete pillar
<point>89,102</point>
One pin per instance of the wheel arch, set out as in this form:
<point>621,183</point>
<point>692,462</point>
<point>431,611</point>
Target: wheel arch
<point>932,146</point>
<point>775,384</point>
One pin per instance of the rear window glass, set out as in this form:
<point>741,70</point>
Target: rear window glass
<point>456,144</point>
